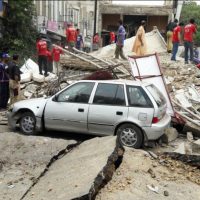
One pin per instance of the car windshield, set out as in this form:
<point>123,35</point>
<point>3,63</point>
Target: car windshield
<point>157,95</point>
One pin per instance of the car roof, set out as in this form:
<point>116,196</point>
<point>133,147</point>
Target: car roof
<point>115,81</point>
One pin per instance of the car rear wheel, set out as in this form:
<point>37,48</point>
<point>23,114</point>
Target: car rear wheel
<point>130,135</point>
<point>27,123</point>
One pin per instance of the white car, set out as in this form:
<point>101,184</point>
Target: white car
<point>134,111</point>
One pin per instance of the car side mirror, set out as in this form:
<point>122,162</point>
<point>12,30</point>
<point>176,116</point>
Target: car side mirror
<point>55,98</point>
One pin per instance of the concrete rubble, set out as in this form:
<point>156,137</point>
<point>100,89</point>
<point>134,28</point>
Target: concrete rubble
<point>141,177</point>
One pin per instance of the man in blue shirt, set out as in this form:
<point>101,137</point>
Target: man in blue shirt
<point>120,41</point>
<point>79,40</point>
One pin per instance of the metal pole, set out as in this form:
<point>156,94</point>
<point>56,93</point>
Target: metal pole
<point>95,16</point>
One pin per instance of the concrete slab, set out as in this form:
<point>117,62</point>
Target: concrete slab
<point>73,175</point>
<point>23,159</point>
<point>133,180</point>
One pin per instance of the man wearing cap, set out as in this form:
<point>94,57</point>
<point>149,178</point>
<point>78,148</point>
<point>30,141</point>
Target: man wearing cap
<point>14,79</point>
<point>71,35</point>
<point>4,81</point>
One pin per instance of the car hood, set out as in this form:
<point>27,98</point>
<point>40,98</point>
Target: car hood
<point>34,105</point>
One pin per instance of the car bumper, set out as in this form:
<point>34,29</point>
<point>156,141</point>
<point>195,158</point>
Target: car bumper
<point>157,130</point>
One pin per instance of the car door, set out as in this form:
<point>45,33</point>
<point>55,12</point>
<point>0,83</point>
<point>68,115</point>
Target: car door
<point>107,109</point>
<point>68,110</point>
<point>141,110</point>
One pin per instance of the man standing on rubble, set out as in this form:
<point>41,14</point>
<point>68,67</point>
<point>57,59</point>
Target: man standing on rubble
<point>170,27</point>
<point>14,79</point>
<point>189,32</point>
<point>71,35</point>
<point>139,46</point>
<point>120,41</point>
<point>79,40</point>
<point>42,55</point>
<point>176,39</point>
<point>56,57</point>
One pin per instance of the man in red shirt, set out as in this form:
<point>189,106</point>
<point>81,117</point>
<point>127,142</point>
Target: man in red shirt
<point>71,35</point>
<point>42,55</point>
<point>112,37</point>
<point>56,51</point>
<point>176,39</point>
<point>189,31</point>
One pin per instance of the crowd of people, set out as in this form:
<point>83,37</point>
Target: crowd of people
<point>9,80</point>
<point>178,34</point>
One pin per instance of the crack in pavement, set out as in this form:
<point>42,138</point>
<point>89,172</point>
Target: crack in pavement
<point>59,155</point>
<point>105,175</point>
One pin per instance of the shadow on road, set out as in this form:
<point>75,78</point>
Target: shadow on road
<point>62,135</point>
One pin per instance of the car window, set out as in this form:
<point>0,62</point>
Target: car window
<point>137,97</point>
<point>78,93</point>
<point>109,94</point>
<point>157,95</point>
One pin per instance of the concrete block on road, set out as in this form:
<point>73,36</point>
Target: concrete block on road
<point>170,135</point>
<point>196,146</point>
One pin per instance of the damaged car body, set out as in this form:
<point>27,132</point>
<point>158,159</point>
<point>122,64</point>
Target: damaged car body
<point>134,111</point>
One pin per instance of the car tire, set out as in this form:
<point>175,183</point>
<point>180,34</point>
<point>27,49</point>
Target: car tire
<point>27,123</point>
<point>130,135</point>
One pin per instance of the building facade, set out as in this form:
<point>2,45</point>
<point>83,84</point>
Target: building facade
<point>53,16</point>
<point>132,15</point>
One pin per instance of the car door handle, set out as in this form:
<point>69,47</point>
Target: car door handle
<point>119,113</point>
<point>80,110</point>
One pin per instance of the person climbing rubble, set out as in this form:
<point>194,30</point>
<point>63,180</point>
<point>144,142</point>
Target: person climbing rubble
<point>120,41</point>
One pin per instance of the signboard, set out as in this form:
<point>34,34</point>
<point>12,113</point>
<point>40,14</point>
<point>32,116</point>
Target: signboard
<point>147,69</point>
<point>52,26</point>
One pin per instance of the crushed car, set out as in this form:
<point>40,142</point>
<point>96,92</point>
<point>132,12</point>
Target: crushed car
<point>134,111</point>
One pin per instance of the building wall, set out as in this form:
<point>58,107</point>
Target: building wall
<point>80,13</point>
<point>155,15</point>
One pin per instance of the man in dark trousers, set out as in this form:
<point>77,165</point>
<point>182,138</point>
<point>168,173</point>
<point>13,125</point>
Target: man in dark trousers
<point>4,81</point>
<point>189,31</point>
<point>42,55</point>
<point>14,79</point>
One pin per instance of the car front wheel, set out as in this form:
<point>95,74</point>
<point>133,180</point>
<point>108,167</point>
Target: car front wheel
<point>130,135</point>
<point>27,123</point>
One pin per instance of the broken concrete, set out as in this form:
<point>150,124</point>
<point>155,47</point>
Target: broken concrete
<point>169,135</point>
<point>77,174</point>
<point>23,159</point>
<point>141,177</point>
<point>196,146</point>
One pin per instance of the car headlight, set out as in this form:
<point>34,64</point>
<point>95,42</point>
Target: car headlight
<point>10,109</point>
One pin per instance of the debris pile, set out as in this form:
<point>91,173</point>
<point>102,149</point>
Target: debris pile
<point>183,83</point>
<point>141,176</point>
